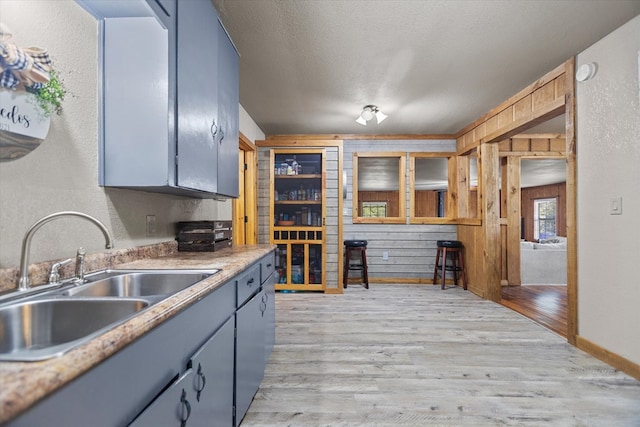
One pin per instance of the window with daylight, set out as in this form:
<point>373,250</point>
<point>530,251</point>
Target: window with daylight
<point>544,218</point>
<point>374,209</point>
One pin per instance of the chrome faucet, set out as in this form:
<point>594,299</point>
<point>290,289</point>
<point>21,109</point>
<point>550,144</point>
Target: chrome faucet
<point>23,281</point>
<point>54,273</point>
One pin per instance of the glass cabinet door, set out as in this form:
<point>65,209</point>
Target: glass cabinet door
<point>298,217</point>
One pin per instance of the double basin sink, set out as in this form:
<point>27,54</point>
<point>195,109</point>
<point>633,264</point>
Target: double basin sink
<point>53,322</point>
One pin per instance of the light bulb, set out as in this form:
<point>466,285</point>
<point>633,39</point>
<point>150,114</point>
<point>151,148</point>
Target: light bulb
<point>367,114</point>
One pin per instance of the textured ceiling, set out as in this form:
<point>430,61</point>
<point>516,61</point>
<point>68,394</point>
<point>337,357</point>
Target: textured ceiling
<point>434,66</point>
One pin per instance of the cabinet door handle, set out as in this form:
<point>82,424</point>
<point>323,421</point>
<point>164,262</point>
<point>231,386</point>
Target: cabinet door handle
<point>201,382</point>
<point>263,308</point>
<point>250,281</point>
<point>221,135</point>
<point>214,129</point>
<point>186,409</point>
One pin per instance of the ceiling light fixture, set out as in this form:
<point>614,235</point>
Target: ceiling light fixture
<point>368,113</point>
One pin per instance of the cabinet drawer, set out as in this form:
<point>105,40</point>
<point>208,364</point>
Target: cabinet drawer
<point>248,283</point>
<point>268,266</point>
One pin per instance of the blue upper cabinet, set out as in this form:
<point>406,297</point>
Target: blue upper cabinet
<point>170,101</point>
<point>207,107</point>
<point>198,121</point>
<point>228,105</point>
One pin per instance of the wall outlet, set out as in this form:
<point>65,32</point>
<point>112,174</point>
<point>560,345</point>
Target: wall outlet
<point>385,256</point>
<point>152,228</point>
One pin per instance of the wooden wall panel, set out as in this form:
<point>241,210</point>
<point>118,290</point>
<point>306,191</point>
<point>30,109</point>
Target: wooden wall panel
<point>511,244</point>
<point>426,203</point>
<point>533,145</point>
<point>540,144</point>
<point>471,238</point>
<point>522,108</point>
<point>543,96</point>
<point>519,144</point>
<point>557,145</point>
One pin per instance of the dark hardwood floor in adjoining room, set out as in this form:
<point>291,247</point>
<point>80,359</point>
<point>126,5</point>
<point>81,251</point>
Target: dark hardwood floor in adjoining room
<point>545,304</point>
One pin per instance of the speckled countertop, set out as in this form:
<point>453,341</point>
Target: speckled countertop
<point>22,384</point>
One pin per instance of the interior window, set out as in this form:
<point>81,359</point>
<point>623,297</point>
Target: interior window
<point>429,195</point>
<point>379,187</point>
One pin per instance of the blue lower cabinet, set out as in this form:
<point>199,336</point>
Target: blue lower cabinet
<point>203,395</point>
<point>172,408</point>
<point>250,352</point>
<point>212,381</point>
<point>269,316</point>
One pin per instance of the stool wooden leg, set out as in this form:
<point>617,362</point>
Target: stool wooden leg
<point>365,273</point>
<point>454,263</point>
<point>435,267</point>
<point>345,272</point>
<point>444,265</point>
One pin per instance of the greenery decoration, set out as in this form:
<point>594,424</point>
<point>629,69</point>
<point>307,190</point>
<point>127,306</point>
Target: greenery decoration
<point>49,97</point>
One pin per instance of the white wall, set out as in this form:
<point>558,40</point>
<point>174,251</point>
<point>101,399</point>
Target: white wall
<point>608,154</point>
<point>249,128</point>
<point>62,174</point>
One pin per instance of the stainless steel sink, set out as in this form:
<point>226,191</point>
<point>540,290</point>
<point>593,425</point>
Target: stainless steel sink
<point>48,324</point>
<point>43,328</point>
<point>138,283</point>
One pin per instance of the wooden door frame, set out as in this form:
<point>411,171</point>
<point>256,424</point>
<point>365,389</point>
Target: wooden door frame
<point>246,232</point>
<point>548,97</point>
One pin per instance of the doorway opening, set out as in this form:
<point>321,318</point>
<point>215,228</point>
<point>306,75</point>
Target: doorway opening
<point>245,207</point>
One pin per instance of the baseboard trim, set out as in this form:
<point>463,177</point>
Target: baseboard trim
<point>613,359</point>
<point>408,281</point>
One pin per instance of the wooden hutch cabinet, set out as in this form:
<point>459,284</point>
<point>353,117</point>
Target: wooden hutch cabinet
<point>297,218</point>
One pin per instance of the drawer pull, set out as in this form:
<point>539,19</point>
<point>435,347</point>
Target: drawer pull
<point>201,382</point>
<point>269,265</point>
<point>186,407</point>
<point>250,281</point>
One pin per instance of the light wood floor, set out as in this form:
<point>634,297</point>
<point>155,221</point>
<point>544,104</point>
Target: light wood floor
<point>415,355</point>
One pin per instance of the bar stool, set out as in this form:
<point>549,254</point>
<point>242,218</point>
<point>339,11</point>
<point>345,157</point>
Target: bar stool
<point>351,247</point>
<point>454,248</point>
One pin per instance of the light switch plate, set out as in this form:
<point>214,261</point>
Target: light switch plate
<point>615,206</point>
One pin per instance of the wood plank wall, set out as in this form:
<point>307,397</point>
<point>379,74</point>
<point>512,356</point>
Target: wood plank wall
<point>427,203</point>
<point>411,247</point>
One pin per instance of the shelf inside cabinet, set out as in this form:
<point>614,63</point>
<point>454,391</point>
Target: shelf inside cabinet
<point>299,176</point>
<point>297,202</point>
